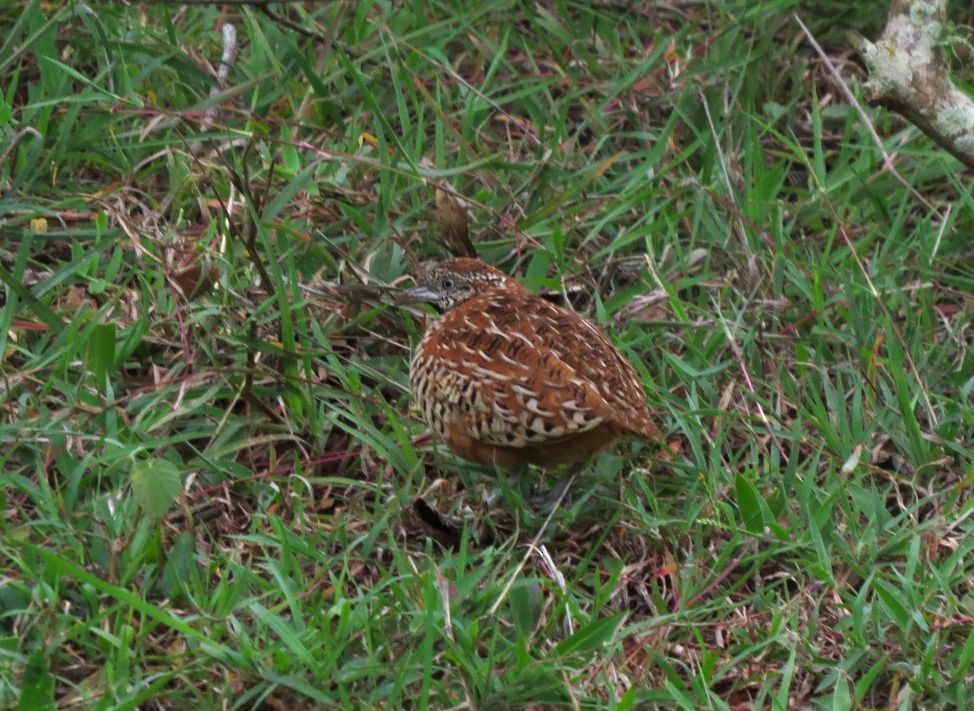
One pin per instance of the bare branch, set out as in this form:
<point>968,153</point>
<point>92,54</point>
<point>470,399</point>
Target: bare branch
<point>888,163</point>
<point>227,59</point>
<point>908,75</point>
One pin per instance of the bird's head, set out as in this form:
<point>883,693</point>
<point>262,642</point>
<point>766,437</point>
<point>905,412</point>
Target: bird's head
<point>454,281</point>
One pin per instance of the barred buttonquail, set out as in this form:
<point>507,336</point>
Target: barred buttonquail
<point>508,378</point>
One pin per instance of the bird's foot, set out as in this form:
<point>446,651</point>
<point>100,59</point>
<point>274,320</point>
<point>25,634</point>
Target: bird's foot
<point>546,501</point>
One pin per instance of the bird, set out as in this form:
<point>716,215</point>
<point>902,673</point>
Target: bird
<point>507,378</point>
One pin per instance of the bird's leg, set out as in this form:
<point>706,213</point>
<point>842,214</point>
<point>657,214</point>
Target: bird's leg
<point>516,480</point>
<point>545,501</point>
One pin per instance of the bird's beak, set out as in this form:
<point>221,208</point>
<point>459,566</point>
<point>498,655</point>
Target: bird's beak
<point>417,294</point>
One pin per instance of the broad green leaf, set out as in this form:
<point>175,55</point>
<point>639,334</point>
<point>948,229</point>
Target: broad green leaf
<point>155,483</point>
<point>749,503</point>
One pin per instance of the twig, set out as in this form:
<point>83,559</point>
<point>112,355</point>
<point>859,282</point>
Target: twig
<point>851,98</point>
<point>292,25</point>
<point>229,56</point>
<point>727,181</point>
<point>876,295</point>
<point>471,88</point>
<point>739,357</point>
<point>533,546</point>
<point>13,144</point>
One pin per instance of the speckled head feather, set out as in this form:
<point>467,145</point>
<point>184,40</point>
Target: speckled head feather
<point>450,283</point>
<point>506,377</point>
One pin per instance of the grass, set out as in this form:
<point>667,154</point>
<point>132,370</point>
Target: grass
<point>210,465</point>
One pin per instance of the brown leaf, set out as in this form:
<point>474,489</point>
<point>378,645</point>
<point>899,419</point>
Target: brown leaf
<point>451,223</point>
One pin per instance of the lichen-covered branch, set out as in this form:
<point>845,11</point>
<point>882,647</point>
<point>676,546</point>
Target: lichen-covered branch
<point>908,74</point>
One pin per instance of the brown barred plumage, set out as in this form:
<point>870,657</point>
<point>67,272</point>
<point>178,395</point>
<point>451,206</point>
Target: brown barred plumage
<point>505,377</point>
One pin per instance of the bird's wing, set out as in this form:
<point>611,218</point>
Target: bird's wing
<point>519,391</point>
<point>582,346</point>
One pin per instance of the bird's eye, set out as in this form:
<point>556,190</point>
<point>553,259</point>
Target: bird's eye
<point>448,283</point>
